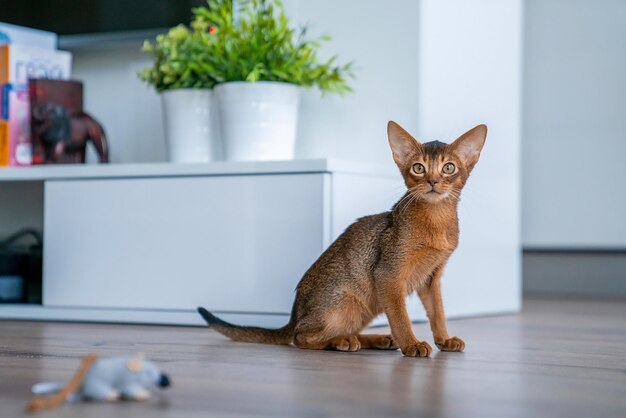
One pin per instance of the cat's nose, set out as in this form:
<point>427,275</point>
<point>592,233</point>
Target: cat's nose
<point>433,182</point>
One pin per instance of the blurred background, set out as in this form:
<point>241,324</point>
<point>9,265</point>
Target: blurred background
<point>547,76</point>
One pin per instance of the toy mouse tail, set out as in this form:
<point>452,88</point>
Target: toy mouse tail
<point>39,403</point>
<point>283,336</point>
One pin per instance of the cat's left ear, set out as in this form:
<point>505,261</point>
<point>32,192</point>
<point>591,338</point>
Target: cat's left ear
<point>469,145</point>
<point>402,144</point>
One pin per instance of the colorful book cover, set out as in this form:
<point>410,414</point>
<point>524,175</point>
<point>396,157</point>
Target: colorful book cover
<point>20,62</point>
<point>52,104</point>
<point>15,135</point>
<point>5,89</point>
<point>4,143</point>
<point>4,101</point>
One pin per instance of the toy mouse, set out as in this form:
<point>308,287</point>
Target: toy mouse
<point>107,379</point>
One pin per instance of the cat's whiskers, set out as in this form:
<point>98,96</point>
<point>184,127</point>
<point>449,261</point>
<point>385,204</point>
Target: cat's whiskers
<point>402,203</point>
<point>414,197</point>
<point>456,194</point>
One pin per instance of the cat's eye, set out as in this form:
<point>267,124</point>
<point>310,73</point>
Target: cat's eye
<point>419,168</point>
<point>448,168</point>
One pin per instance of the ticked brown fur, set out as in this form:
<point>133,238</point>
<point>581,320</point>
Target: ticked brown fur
<point>380,259</point>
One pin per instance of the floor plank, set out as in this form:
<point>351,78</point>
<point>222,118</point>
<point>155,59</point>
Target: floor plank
<point>557,358</point>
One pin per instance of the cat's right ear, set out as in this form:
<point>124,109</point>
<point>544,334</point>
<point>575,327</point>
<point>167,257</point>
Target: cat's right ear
<point>402,144</point>
<point>469,145</point>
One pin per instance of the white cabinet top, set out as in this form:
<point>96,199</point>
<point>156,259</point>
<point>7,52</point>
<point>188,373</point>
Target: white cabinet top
<point>217,168</point>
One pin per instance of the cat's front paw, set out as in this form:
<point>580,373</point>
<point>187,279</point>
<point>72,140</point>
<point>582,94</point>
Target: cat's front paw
<point>417,349</point>
<point>451,344</point>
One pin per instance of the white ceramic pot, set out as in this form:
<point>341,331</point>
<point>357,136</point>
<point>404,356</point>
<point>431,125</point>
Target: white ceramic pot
<point>187,122</point>
<point>258,120</point>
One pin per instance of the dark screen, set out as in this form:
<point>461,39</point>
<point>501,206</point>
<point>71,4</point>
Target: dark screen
<point>90,16</point>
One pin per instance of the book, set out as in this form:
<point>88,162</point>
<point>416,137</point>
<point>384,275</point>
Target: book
<point>27,36</point>
<point>53,104</point>
<point>15,135</point>
<point>20,62</point>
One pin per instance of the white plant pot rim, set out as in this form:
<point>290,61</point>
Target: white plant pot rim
<point>256,83</point>
<point>184,89</point>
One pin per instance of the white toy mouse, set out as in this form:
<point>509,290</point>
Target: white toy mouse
<point>107,379</point>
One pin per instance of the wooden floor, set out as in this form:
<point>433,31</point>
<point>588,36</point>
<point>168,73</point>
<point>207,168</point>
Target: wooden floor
<point>558,358</point>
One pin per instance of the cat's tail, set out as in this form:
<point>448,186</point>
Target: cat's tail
<point>282,335</point>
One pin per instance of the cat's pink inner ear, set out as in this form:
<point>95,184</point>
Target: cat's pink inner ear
<point>402,144</point>
<point>469,145</point>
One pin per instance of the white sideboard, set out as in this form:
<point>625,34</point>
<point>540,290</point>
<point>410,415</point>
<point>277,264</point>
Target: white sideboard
<point>149,243</point>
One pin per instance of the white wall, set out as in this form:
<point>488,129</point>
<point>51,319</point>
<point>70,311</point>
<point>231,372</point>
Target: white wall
<point>382,41</point>
<point>129,110</point>
<point>574,124</point>
<point>470,73</point>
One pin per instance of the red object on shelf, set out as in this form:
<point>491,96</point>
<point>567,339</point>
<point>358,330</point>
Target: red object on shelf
<point>59,126</point>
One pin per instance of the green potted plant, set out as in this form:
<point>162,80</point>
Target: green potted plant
<point>185,87</point>
<point>259,64</point>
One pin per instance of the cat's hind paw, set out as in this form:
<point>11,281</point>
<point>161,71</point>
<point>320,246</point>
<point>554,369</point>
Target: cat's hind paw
<point>347,343</point>
<point>386,342</point>
<point>377,341</point>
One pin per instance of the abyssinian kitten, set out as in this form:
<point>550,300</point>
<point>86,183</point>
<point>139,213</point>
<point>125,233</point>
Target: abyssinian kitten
<point>380,259</point>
